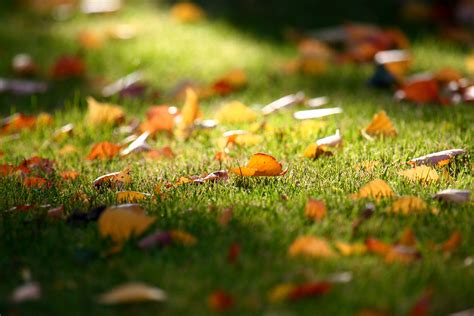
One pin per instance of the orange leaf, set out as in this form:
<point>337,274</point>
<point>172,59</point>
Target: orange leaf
<point>159,118</point>
<point>409,205</point>
<point>378,247</point>
<point>260,164</point>
<point>309,290</point>
<point>380,126</point>
<point>310,246</point>
<point>408,238</point>
<point>130,196</point>
<point>35,182</point>
<point>183,238</point>
<point>315,209</point>
<point>113,180</point>
<point>375,189</point>
<point>69,175</point>
<point>419,90</point>
<point>347,249</point>
<point>103,150</point>
<point>234,80</point>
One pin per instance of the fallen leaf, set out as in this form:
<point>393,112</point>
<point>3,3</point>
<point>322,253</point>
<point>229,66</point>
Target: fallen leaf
<point>367,166</point>
<point>407,238</point>
<point>410,205</point>
<point>318,113</point>
<point>347,249</point>
<point>130,196</point>
<point>422,305</point>
<point>57,212</point>
<point>157,154</point>
<point>113,180</point>
<point>159,118</point>
<point>36,182</point>
<point>133,292</point>
<point>376,189</point>
<point>220,301</point>
<point>233,252</point>
<point>381,125</point>
<point>138,145</point>
<point>378,247</point>
<point>235,112</point>
<point>124,221</point>
<point>103,113</point>
<point>103,151</point>
<point>283,102</point>
<point>90,39</point>
<point>453,195</point>
<point>260,164</point>
<point>187,12</point>
<point>437,159</point>
<point>67,150</point>
<point>189,113</point>
<point>315,209</point>
<point>321,146</point>
<point>37,166</point>
<point>311,247</point>
<point>422,174</point>
<point>67,67</point>
<point>156,239</point>
<point>419,89</point>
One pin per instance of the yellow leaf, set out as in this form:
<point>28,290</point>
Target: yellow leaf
<point>367,166</point>
<point>310,246</point>
<point>67,150</point>
<point>187,12</point>
<point>347,249</point>
<point>124,221</point>
<point>235,112</point>
<point>133,293</point>
<point>408,205</point>
<point>315,209</point>
<point>103,113</point>
<point>308,128</point>
<point>260,164</point>
<point>114,179</point>
<point>380,125</point>
<point>191,110</point>
<point>375,189</point>
<point>422,174</point>
<point>130,196</point>
<point>470,63</point>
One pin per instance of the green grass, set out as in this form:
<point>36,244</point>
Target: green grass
<point>68,261</point>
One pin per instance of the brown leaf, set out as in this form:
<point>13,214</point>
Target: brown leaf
<point>310,289</point>
<point>453,195</point>
<point>113,180</point>
<point>420,89</point>
<point>67,67</point>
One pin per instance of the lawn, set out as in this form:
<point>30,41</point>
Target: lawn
<point>71,261</point>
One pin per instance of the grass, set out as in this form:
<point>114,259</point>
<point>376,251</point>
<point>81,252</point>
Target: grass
<point>68,261</point>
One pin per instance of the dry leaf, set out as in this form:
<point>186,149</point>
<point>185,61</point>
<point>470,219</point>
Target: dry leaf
<point>410,205</point>
<point>36,182</point>
<point>183,238</point>
<point>310,289</point>
<point>420,89</point>
<point>470,64</point>
<point>376,189</point>
<point>422,174</point>
<point>321,147</point>
<point>187,12</point>
<point>310,246</point>
<point>138,145</point>
<point>90,39</point>
<point>69,175</point>
<point>232,81</point>
<point>440,158</point>
<point>315,209</point>
<point>235,112</point>
<point>130,196</point>
<point>381,125</point>
<point>367,166</point>
<point>124,221</point>
<point>260,164</point>
<point>103,151</point>
<point>67,150</point>
<point>113,180</point>
<point>133,292</point>
<point>103,113</point>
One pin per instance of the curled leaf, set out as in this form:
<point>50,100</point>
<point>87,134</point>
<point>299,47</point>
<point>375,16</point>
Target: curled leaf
<point>453,195</point>
<point>440,158</point>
